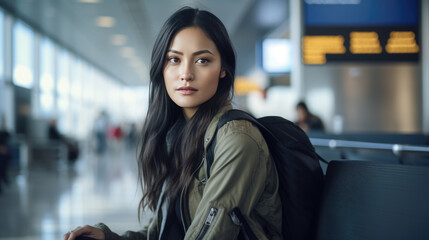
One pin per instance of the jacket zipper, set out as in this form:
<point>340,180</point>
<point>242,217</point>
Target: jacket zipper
<point>181,210</point>
<point>239,220</point>
<point>207,223</point>
<point>183,191</point>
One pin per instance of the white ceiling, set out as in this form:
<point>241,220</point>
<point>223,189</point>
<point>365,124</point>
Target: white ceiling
<point>71,23</point>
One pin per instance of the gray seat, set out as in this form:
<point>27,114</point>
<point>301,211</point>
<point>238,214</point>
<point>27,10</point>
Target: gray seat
<point>368,200</point>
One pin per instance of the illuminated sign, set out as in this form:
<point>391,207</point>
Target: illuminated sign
<point>402,42</point>
<point>315,48</point>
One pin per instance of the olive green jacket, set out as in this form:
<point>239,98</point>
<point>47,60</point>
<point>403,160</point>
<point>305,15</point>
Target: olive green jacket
<point>242,175</point>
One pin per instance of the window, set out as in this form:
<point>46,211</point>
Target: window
<point>76,97</point>
<point>23,46</point>
<point>1,47</point>
<point>63,92</point>
<point>46,82</point>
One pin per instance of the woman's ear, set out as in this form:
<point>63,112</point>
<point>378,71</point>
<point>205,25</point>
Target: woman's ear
<point>222,73</point>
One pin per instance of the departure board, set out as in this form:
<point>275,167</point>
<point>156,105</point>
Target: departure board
<point>360,31</point>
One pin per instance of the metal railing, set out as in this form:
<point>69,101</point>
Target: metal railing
<point>399,150</point>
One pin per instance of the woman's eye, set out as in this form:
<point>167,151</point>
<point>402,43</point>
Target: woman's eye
<point>202,60</point>
<point>173,59</point>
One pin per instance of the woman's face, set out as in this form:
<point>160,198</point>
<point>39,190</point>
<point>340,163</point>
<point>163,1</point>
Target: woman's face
<point>302,114</point>
<point>192,69</point>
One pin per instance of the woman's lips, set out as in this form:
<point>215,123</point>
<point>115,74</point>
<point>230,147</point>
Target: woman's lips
<point>186,90</point>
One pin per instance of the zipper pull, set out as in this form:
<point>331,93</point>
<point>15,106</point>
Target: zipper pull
<point>211,216</point>
<point>239,220</point>
<point>235,218</point>
<point>207,223</point>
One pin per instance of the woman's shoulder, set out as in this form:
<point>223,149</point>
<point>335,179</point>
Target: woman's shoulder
<point>240,132</point>
<point>239,126</point>
<point>236,131</point>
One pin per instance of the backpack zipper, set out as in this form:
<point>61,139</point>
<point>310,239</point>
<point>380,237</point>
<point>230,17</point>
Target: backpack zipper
<point>207,223</point>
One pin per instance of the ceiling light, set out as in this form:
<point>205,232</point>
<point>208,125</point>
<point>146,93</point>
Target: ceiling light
<point>105,22</point>
<point>89,1</point>
<point>118,39</point>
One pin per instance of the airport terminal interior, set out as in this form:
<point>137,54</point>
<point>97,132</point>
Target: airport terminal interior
<point>74,90</point>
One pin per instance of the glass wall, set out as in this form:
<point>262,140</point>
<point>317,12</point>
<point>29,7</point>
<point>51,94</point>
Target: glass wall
<point>46,79</point>
<point>62,90</point>
<point>2,100</point>
<point>23,55</point>
<point>1,49</point>
<point>76,87</point>
<point>66,87</point>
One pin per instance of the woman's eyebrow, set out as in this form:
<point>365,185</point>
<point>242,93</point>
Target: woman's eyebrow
<point>202,51</point>
<point>195,53</point>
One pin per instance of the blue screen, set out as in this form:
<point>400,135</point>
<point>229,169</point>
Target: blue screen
<point>361,13</point>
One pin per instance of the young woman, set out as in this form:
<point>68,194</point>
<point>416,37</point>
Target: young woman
<point>192,76</point>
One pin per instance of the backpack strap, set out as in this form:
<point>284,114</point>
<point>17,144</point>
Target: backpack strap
<point>231,115</point>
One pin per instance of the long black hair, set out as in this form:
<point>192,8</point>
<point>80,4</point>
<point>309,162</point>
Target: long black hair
<point>156,164</point>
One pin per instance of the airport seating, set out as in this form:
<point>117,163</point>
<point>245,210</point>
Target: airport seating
<point>44,151</point>
<point>48,153</point>
<point>371,200</point>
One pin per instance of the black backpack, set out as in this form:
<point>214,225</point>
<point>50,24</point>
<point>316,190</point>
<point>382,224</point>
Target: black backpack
<point>300,174</point>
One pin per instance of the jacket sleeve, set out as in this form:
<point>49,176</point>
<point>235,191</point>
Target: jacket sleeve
<point>237,179</point>
<point>128,235</point>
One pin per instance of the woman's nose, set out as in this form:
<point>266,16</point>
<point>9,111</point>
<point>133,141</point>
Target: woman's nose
<point>186,76</point>
<point>186,73</point>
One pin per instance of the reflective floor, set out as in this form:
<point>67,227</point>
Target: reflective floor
<point>50,199</point>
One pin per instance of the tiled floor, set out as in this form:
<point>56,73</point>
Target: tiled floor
<point>50,199</point>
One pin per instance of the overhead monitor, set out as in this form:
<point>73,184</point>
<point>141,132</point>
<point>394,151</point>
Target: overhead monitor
<point>275,55</point>
<point>361,31</point>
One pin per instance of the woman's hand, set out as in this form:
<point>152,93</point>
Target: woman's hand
<point>86,231</point>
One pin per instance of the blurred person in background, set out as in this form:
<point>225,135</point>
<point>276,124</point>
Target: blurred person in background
<point>115,136</point>
<point>101,127</point>
<point>131,136</point>
<point>55,135</point>
<point>192,78</point>
<point>307,121</point>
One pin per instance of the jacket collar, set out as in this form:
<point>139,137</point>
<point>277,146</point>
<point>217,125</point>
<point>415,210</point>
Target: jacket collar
<point>211,129</point>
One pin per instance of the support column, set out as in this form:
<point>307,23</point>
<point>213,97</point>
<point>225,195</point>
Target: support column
<point>425,63</point>
<point>296,77</point>
<point>8,90</point>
